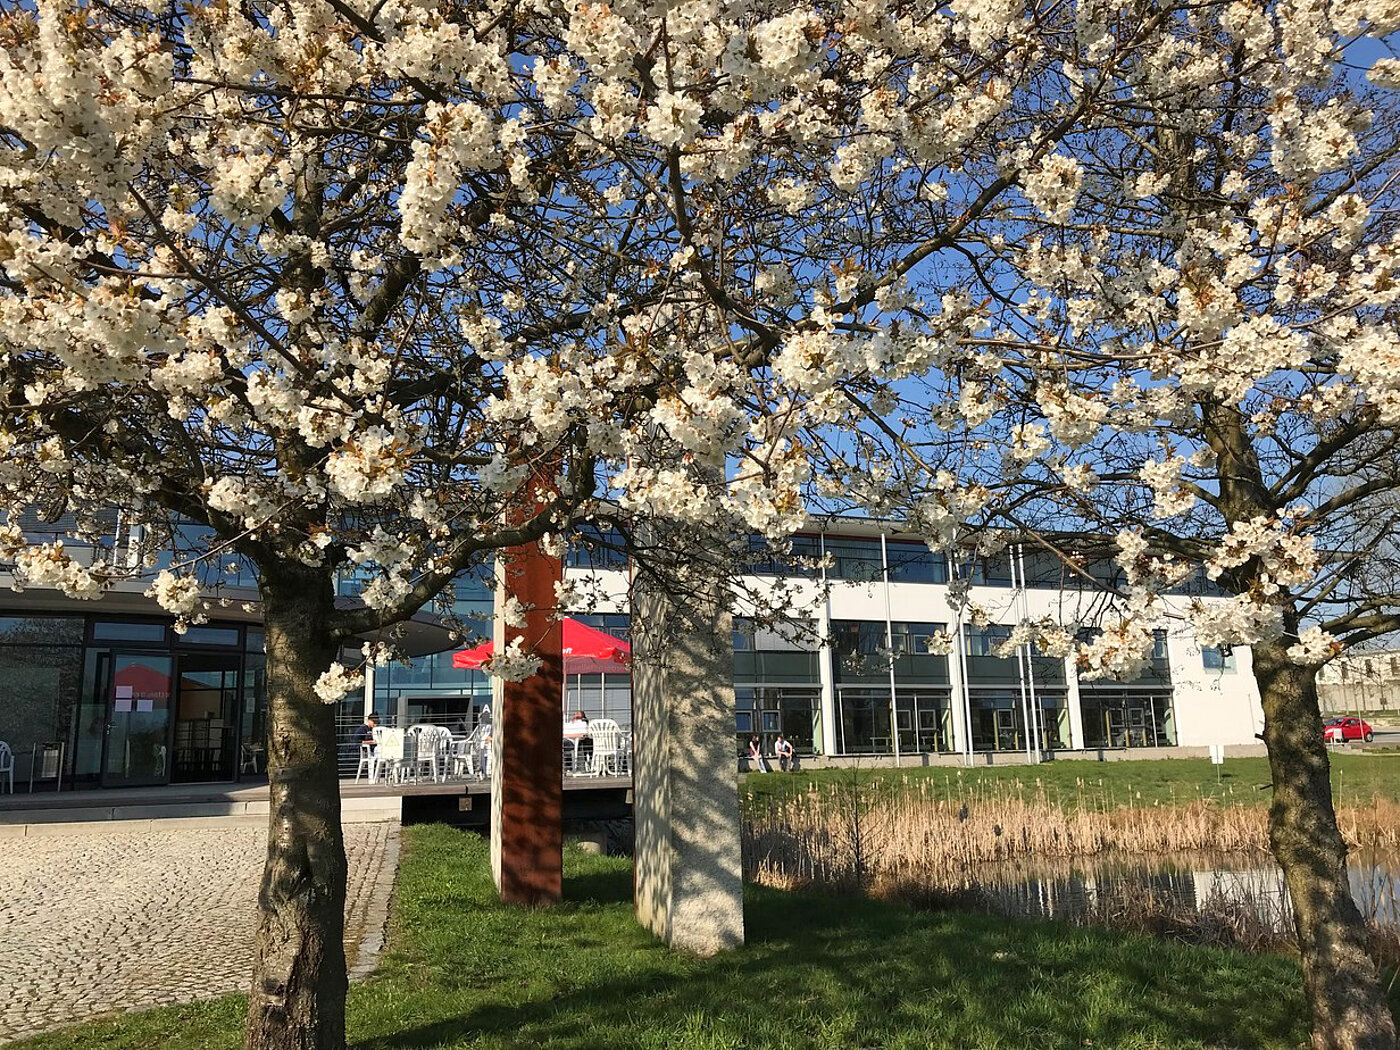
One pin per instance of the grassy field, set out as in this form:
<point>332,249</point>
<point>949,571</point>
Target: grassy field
<point>1075,784</point>
<point>464,972</point>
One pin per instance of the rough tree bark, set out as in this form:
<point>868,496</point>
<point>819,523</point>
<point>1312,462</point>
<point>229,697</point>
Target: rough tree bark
<point>297,1001</point>
<point>1340,980</point>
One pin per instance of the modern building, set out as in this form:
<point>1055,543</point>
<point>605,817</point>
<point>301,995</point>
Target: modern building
<point>105,693</point>
<point>850,675</point>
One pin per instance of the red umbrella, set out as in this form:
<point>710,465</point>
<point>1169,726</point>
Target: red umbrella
<point>586,651</point>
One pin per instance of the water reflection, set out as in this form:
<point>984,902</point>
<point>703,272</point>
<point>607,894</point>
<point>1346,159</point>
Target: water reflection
<point>1092,890</point>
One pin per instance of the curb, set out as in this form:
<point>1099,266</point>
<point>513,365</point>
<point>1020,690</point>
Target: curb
<point>377,919</point>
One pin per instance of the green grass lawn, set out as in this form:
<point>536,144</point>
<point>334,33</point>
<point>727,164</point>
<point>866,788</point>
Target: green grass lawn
<point>1101,785</point>
<point>463,971</point>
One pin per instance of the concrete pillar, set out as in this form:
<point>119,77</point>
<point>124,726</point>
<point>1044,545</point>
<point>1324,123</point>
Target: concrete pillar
<point>527,739</point>
<point>688,867</point>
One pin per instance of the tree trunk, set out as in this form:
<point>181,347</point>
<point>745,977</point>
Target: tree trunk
<point>1340,980</point>
<point>297,1000</point>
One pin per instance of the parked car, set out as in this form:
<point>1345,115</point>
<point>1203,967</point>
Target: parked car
<point>1340,730</point>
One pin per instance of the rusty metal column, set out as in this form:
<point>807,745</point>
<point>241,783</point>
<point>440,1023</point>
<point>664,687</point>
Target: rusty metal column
<point>527,741</point>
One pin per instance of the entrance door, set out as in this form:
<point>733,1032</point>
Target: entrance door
<point>1117,731</point>
<point>1139,725</point>
<point>1008,735</point>
<point>206,714</point>
<point>137,749</point>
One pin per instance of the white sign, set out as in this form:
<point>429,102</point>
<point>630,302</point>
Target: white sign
<point>1217,754</point>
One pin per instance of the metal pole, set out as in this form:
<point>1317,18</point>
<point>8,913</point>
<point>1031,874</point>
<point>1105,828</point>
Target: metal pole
<point>889,644</point>
<point>961,644</point>
<point>1037,716</point>
<point>1021,671</point>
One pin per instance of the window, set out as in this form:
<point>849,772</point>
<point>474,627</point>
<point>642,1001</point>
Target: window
<point>1126,717</point>
<point>913,638</point>
<point>209,636</point>
<point>854,558</point>
<point>858,637</point>
<point>766,711</point>
<point>798,560</point>
<point>984,641</point>
<point>1044,569</point>
<point>619,625</point>
<point>1218,658</point>
<point>993,570</point>
<point>597,548</point>
<point>915,563</point>
<point>117,631</point>
<point>796,636</point>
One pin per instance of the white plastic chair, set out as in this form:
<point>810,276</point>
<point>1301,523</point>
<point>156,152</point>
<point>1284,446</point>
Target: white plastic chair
<point>607,745</point>
<point>441,741</point>
<point>367,762</point>
<point>388,753</point>
<point>7,765</point>
<point>467,753</point>
<point>429,745</point>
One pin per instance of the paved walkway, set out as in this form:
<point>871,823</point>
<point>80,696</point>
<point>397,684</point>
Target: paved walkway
<point>102,920</point>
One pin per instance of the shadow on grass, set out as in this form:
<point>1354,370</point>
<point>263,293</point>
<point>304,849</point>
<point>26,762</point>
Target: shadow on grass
<point>608,886</point>
<point>823,973</point>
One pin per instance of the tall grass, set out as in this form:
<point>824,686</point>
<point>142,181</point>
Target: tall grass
<point>844,835</point>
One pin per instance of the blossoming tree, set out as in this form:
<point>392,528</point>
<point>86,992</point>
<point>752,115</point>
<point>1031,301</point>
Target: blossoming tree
<point>1182,333</point>
<point>346,285</point>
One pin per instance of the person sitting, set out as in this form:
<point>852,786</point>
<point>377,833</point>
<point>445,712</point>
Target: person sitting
<point>576,732</point>
<point>366,736</point>
<point>756,756</point>
<point>787,757</point>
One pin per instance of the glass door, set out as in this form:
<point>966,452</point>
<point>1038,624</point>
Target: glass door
<point>1116,728</point>
<point>1008,730</point>
<point>137,749</point>
<point>206,718</point>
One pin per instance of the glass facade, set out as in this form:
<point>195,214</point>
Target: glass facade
<point>130,701</point>
<point>597,548</point>
<point>603,695</point>
<point>133,703</point>
<point>1124,718</point>
<point>914,563</point>
<point>855,558</point>
<point>777,685</point>
<point>869,658</point>
<point>798,560</point>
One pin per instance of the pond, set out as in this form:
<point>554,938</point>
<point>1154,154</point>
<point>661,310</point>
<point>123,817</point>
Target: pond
<point>1245,889</point>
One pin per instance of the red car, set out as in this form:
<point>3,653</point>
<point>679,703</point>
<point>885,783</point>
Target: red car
<point>1340,730</point>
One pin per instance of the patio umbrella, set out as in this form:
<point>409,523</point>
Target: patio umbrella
<point>586,651</point>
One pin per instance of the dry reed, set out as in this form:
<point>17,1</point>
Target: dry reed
<point>926,849</point>
<point>842,836</point>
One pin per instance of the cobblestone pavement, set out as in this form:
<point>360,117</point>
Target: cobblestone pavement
<point>119,920</point>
